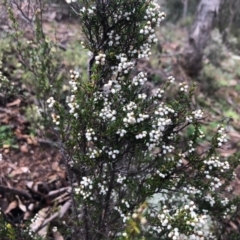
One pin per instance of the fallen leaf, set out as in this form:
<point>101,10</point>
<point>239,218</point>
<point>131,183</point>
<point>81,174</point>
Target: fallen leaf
<point>27,215</point>
<point>14,103</point>
<point>42,214</point>
<point>29,184</point>
<point>20,204</point>
<point>16,172</point>
<point>55,165</point>
<point>25,169</point>
<point>6,150</point>
<point>43,231</point>
<point>233,82</point>
<point>234,134</point>
<point>227,153</point>
<point>24,148</point>
<point>32,140</point>
<point>11,206</point>
<point>57,236</point>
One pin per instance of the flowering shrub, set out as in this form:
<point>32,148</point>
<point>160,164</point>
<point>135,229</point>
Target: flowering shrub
<point>124,144</point>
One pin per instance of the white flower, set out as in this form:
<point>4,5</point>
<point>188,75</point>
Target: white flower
<point>121,132</point>
<point>55,118</point>
<point>51,102</point>
<point>183,87</point>
<point>70,1</point>
<point>90,11</point>
<point>100,59</point>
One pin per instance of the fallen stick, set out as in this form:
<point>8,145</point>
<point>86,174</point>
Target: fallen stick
<point>15,191</point>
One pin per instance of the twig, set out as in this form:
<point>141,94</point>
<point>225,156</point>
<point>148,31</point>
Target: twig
<point>15,191</point>
<point>47,142</point>
<point>59,214</point>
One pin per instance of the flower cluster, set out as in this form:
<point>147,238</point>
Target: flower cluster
<point>70,1</point>
<point>114,38</point>
<point>100,59</point>
<point>190,146</point>
<point>113,153</point>
<point>121,132</point>
<point>195,115</point>
<point>171,79</point>
<point>161,175</point>
<point>167,149</point>
<point>145,51</point>
<point>141,135</point>
<point>71,100</point>
<point>74,76</point>
<point>120,179</point>
<point>130,106</point>
<point>158,92</point>
<point>94,153</point>
<point>198,114</point>
<point>140,79</point>
<point>160,121</point>
<point>73,105</point>
<point>210,199</point>
<point>141,117</point>
<point>55,118</point>
<point>154,17</point>
<point>148,30</point>
<point>86,185</point>
<point>194,222</point>
<point>222,138</point>
<point>127,15</point>
<point>89,10</point>
<point>130,117</point>
<point>142,96</point>
<point>111,86</point>
<point>123,215</point>
<point>90,135</point>
<point>215,163</point>
<point>107,113</point>
<point>51,102</point>
<point>103,188</point>
<point>183,87</point>
<point>124,66</point>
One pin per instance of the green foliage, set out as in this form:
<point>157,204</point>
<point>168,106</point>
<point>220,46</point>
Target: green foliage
<point>6,136</point>
<point>7,232</point>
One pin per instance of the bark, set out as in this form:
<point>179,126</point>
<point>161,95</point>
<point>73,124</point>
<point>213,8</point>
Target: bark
<point>199,36</point>
<point>185,8</point>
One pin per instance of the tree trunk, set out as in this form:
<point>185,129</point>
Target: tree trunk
<point>185,8</point>
<point>199,35</point>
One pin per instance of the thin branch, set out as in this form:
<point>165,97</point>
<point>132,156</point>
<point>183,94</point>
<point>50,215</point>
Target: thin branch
<point>25,194</point>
